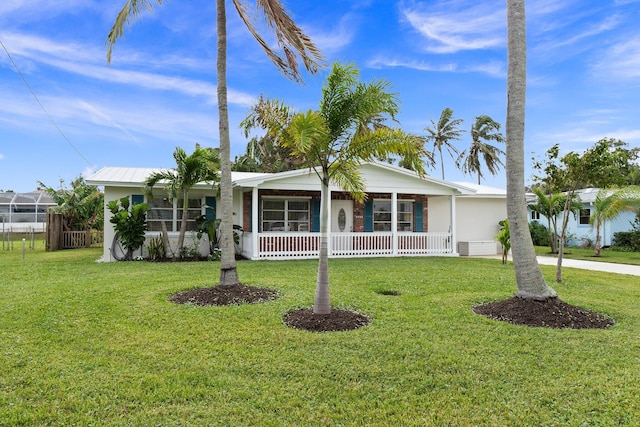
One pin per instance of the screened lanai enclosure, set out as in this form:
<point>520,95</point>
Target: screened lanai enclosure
<point>23,212</point>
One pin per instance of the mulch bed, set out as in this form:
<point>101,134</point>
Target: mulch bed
<point>550,313</point>
<point>337,320</point>
<point>224,295</point>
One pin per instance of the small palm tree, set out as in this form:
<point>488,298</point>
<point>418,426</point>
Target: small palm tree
<point>202,165</point>
<point>441,133</point>
<point>610,204</point>
<point>483,129</point>
<point>552,206</point>
<point>345,131</point>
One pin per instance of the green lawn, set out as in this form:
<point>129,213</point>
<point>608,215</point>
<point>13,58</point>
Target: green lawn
<point>606,255</point>
<point>84,343</point>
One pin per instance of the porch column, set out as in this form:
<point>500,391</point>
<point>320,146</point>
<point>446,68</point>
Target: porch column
<point>255,250</point>
<point>329,231</point>
<point>454,237</point>
<point>394,223</point>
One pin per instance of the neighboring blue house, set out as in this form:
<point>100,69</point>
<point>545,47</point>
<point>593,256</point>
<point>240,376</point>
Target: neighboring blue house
<point>578,229</point>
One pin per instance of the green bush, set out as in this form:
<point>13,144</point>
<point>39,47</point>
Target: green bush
<point>156,249</point>
<point>129,224</point>
<point>539,234</point>
<point>628,241</point>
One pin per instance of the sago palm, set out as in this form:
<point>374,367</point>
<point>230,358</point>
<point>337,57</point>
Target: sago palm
<point>334,140</point>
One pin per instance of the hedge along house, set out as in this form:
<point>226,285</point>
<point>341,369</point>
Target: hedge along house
<point>279,212</point>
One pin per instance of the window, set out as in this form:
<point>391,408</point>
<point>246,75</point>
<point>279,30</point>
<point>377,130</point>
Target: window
<point>535,215</point>
<point>585,214</point>
<point>405,216</point>
<point>382,215</point>
<point>285,215</point>
<point>171,213</point>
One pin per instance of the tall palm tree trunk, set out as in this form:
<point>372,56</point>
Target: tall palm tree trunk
<point>531,283</point>
<point>183,221</point>
<point>441,161</point>
<point>228,273</point>
<point>322,303</point>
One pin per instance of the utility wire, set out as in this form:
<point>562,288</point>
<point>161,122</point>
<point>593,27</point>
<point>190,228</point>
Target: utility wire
<point>44,109</point>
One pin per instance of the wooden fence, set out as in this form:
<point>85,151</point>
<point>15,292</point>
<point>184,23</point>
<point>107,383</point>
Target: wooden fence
<point>58,239</point>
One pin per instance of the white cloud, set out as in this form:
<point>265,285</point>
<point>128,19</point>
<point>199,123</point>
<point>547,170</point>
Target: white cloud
<point>471,26</point>
<point>81,60</point>
<point>493,68</point>
<point>382,62</point>
<point>337,38</point>
<point>620,61</point>
<point>1,156</point>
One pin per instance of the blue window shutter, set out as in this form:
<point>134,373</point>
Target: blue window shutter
<point>315,215</point>
<point>418,216</point>
<point>210,211</point>
<point>136,199</point>
<point>368,216</point>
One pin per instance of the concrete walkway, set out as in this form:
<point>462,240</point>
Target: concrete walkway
<point>592,265</point>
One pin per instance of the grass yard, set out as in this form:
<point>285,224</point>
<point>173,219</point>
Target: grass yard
<point>606,255</point>
<point>83,343</point>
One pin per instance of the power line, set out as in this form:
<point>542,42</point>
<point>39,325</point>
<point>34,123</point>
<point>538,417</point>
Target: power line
<point>44,109</point>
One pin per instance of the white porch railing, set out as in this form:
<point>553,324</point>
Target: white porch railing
<point>306,245</point>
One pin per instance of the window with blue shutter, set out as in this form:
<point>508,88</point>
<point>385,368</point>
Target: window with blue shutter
<point>136,199</point>
<point>210,208</point>
<point>315,215</point>
<point>418,217</point>
<point>368,216</point>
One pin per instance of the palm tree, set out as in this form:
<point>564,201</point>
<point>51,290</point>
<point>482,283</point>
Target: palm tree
<point>609,205</point>
<point>552,206</point>
<point>531,282</point>
<point>291,39</point>
<point>483,129</point>
<point>442,132</point>
<point>264,154</point>
<point>200,166</point>
<point>345,131</point>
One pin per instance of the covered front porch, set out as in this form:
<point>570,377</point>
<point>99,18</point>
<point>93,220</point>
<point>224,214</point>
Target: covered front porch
<point>281,217</point>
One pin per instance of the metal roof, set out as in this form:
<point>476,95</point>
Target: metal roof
<point>33,198</point>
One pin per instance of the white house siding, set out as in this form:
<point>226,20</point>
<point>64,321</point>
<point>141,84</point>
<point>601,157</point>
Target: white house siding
<point>476,218</point>
<point>112,193</point>
<point>477,209</point>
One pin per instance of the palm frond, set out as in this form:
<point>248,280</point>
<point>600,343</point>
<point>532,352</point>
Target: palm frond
<point>291,39</point>
<point>346,175</point>
<point>131,10</point>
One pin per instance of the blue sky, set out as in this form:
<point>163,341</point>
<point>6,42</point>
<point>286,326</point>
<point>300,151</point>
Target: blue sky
<point>159,92</point>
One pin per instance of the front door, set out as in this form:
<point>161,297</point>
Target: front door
<point>341,216</point>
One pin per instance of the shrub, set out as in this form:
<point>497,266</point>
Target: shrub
<point>628,241</point>
<point>156,249</point>
<point>129,224</point>
<point>539,234</point>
